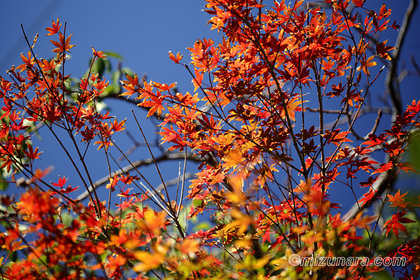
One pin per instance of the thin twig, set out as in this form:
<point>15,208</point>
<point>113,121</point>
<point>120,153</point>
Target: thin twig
<point>136,164</point>
<point>154,160</point>
<point>182,182</point>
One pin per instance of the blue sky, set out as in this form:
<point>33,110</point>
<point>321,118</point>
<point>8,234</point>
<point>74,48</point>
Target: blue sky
<point>142,32</point>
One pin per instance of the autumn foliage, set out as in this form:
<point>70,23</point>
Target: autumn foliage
<point>263,120</point>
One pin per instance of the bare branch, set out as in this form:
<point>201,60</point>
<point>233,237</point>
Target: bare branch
<point>174,181</point>
<point>392,74</point>
<point>136,164</point>
<point>386,180</point>
<point>416,66</point>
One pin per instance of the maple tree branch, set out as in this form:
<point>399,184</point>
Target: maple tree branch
<point>110,189</point>
<point>137,144</point>
<point>158,200</point>
<point>183,177</point>
<point>415,65</point>
<point>372,131</point>
<point>139,163</point>
<point>386,180</point>
<point>344,120</point>
<point>363,111</point>
<point>153,157</point>
<point>174,181</point>
<point>392,74</point>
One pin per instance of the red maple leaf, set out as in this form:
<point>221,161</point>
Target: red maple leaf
<point>367,197</point>
<point>395,224</point>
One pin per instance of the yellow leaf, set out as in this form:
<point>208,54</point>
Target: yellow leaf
<point>148,261</point>
<point>245,242</point>
<point>293,105</point>
<point>236,195</point>
<point>233,158</point>
<point>284,262</point>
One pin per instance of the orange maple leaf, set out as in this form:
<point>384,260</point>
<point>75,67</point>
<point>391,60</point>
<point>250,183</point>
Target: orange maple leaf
<point>233,158</point>
<point>176,58</point>
<point>118,126</point>
<point>366,64</point>
<point>99,54</point>
<point>155,105</point>
<point>336,137</point>
<point>63,45</point>
<point>293,106</point>
<point>384,167</point>
<point>398,200</point>
<point>55,27</point>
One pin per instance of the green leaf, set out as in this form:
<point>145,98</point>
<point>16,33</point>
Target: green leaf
<point>202,226</point>
<point>197,202</point>
<point>99,67</point>
<point>66,218</point>
<point>116,76</point>
<point>113,54</point>
<point>128,71</point>
<point>182,218</point>
<point>110,90</point>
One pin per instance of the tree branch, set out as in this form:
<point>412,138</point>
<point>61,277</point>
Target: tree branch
<point>392,74</point>
<point>136,164</point>
<point>386,180</point>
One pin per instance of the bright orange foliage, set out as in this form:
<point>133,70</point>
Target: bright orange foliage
<point>268,166</point>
